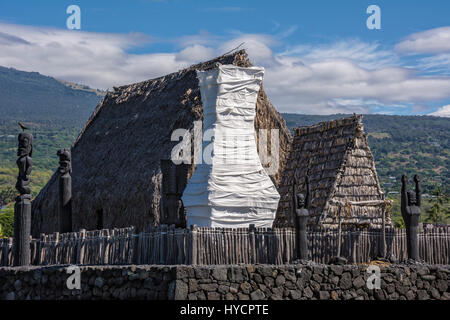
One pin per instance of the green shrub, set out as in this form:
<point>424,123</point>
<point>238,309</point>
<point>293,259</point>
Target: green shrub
<point>7,221</point>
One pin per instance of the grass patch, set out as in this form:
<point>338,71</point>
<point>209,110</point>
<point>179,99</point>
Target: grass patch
<point>379,135</point>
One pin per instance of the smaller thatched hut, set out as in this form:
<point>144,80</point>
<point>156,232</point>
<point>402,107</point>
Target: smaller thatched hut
<point>337,158</point>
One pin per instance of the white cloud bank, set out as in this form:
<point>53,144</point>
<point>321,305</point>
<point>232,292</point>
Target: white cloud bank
<point>430,41</point>
<point>442,112</point>
<point>346,76</point>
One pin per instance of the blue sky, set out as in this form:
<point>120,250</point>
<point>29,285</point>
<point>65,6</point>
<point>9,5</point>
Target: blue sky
<point>319,55</point>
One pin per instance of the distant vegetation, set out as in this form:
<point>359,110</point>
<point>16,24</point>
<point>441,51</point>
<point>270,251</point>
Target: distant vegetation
<point>7,221</point>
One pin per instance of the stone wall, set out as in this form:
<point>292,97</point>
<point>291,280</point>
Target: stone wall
<point>251,282</point>
<point>97,282</point>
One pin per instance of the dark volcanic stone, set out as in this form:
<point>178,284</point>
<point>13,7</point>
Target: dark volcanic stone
<point>192,296</point>
<point>220,273</point>
<point>223,288</point>
<point>280,280</point>
<point>315,286</point>
<point>265,271</point>
<point>334,280</point>
<point>336,269</point>
<point>201,273</point>
<point>359,283</point>
<point>334,295</point>
<point>193,285</point>
<point>442,285</point>
<point>209,286</point>
<point>422,295</point>
<point>446,296</point>
<point>356,272</point>
<point>257,295</point>
<point>410,295</point>
<point>99,282</point>
<point>181,290</point>
<point>324,295</point>
<point>242,296</point>
<point>317,277</point>
<point>213,296</point>
<point>257,278</point>
<point>11,296</point>
<point>393,296</point>
<point>237,274</point>
<point>295,294</point>
<point>290,285</point>
<point>246,287</point>
<point>308,293</point>
<point>269,282</point>
<point>346,281</point>
<point>400,288</point>
<point>434,293</point>
<point>379,294</point>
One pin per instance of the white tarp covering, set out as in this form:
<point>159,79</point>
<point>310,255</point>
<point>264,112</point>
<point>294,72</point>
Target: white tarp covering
<point>231,189</point>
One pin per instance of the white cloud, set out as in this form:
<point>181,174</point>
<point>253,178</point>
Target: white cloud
<point>436,64</point>
<point>99,60</point>
<point>324,86</point>
<point>345,76</point>
<point>442,112</point>
<point>367,55</point>
<point>257,46</point>
<point>430,41</point>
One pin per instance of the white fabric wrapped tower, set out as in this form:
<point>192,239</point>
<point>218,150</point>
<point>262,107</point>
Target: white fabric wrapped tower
<point>230,189</point>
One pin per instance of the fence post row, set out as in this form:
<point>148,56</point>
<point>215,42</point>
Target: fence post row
<point>170,245</point>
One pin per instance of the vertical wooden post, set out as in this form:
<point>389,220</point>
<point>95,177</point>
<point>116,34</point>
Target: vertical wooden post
<point>383,240</point>
<point>5,252</point>
<point>10,251</point>
<point>22,230</point>
<point>2,246</point>
<point>252,244</point>
<point>193,245</point>
<point>339,232</point>
<point>353,246</point>
<point>81,246</point>
<point>56,250</point>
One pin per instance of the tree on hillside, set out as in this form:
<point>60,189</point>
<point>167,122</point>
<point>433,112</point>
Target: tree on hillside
<point>7,221</point>
<point>7,195</point>
<point>438,212</point>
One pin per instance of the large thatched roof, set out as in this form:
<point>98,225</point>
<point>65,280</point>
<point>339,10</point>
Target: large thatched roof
<point>116,158</point>
<point>336,156</point>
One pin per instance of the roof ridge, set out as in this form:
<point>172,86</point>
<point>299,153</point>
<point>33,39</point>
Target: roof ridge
<point>330,124</point>
<point>195,66</point>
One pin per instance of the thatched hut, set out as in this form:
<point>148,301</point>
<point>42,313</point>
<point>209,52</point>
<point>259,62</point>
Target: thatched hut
<point>337,158</point>
<point>116,180</point>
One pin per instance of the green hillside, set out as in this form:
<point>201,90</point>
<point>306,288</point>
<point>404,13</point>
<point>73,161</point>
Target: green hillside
<point>30,96</point>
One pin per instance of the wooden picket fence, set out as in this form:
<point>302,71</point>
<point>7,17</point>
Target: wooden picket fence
<point>207,246</point>
<point>365,245</point>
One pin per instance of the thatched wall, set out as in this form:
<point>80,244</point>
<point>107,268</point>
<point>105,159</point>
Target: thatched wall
<point>116,158</point>
<point>336,156</point>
